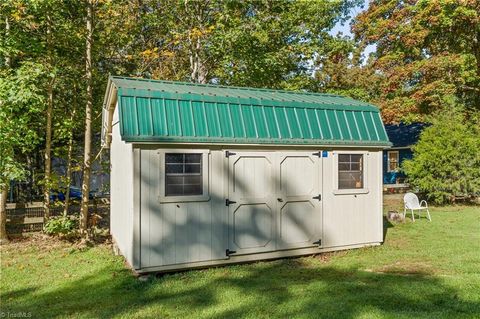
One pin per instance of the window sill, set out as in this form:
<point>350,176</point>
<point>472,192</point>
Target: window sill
<point>351,191</point>
<point>183,199</point>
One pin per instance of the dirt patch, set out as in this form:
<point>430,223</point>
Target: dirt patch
<point>393,202</point>
<point>405,269</point>
<point>44,244</point>
<point>326,257</point>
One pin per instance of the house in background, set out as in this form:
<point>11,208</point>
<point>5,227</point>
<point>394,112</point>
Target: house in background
<point>403,137</point>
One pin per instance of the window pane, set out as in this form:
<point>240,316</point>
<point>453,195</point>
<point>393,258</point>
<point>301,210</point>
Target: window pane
<point>356,158</point>
<point>193,190</point>
<point>343,158</point>
<point>175,180</point>
<point>192,180</point>
<point>174,158</point>
<point>174,168</point>
<point>350,171</point>
<point>193,158</point>
<point>355,166</point>
<point>193,168</point>
<point>174,190</point>
<point>183,174</point>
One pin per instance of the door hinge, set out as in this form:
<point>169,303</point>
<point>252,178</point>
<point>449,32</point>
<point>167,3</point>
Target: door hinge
<point>319,197</point>
<point>319,154</point>
<point>318,242</point>
<point>228,252</point>
<point>228,202</point>
<point>228,153</point>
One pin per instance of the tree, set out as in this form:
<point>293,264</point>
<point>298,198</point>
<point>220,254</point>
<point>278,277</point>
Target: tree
<point>425,51</point>
<point>88,119</point>
<point>446,161</point>
<point>248,43</point>
<point>22,101</point>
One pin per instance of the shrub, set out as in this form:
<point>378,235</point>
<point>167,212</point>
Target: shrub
<point>446,159</point>
<point>61,225</point>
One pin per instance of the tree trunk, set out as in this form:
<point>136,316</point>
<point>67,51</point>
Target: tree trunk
<point>88,123</point>
<point>48,133</point>
<point>3,213</point>
<point>69,175</point>
<point>7,34</point>
<point>48,152</point>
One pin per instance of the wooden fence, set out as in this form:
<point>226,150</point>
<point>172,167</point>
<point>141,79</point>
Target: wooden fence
<point>30,219</point>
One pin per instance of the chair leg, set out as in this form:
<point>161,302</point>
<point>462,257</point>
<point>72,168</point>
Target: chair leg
<point>404,213</point>
<point>428,214</point>
<point>413,217</point>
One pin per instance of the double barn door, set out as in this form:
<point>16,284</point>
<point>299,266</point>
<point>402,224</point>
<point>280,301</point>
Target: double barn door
<point>274,201</point>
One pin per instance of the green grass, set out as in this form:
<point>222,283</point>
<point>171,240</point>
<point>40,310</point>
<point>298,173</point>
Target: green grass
<point>424,270</point>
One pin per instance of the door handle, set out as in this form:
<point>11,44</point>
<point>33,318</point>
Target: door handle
<point>280,200</point>
<point>319,197</point>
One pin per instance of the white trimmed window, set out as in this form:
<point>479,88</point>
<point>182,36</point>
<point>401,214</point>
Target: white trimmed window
<point>184,175</point>
<point>392,161</point>
<point>350,171</point>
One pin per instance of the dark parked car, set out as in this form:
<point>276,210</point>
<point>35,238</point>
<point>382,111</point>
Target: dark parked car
<point>75,194</point>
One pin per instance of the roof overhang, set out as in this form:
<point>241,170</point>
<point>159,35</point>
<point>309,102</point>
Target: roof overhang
<point>109,103</point>
<point>139,122</point>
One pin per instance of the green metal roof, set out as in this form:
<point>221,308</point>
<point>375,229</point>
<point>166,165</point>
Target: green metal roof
<point>163,111</point>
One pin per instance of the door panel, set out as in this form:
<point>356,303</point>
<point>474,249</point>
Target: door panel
<point>299,214</point>
<point>252,216</point>
<point>252,226</point>
<point>273,200</point>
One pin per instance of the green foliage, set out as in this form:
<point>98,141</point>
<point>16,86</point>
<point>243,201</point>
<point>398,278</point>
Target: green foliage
<point>446,162</point>
<point>61,225</point>
<point>22,102</point>
<point>425,50</point>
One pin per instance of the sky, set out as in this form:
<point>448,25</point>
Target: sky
<point>345,28</point>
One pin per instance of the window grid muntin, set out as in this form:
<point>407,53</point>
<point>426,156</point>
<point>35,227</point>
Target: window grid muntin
<point>183,181</point>
<point>350,171</point>
<point>395,160</point>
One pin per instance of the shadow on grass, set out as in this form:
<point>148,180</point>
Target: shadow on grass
<point>386,225</point>
<point>285,288</point>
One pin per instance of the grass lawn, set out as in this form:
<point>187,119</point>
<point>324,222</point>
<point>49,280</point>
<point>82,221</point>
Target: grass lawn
<point>424,270</point>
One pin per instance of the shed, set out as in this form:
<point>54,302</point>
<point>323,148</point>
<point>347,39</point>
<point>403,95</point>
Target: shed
<point>206,175</point>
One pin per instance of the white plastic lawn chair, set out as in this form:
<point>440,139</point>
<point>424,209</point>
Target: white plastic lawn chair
<point>411,202</point>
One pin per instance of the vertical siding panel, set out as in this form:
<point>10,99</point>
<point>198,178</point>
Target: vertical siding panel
<point>168,247</point>
<point>182,232</point>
